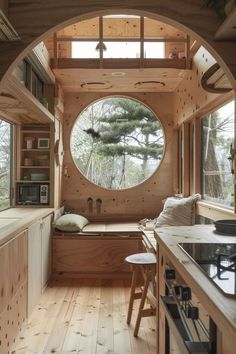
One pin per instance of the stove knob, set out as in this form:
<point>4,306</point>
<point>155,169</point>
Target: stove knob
<point>177,290</point>
<point>192,312</point>
<point>185,293</point>
<point>170,274</point>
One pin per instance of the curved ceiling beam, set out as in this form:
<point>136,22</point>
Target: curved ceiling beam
<point>210,78</point>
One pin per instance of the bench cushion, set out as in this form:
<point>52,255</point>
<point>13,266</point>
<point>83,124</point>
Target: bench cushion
<point>71,223</point>
<point>178,212</point>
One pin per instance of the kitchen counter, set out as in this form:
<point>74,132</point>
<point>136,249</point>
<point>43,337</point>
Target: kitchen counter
<point>15,220</point>
<point>222,309</point>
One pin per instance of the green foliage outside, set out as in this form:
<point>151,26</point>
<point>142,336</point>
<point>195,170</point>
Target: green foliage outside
<point>217,136</point>
<point>5,161</point>
<point>117,143</point>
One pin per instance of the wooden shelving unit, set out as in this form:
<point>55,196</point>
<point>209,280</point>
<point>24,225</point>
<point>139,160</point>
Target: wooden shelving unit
<point>34,162</point>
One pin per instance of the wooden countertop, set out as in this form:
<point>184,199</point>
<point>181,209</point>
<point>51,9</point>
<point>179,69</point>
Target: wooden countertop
<point>221,308</point>
<point>112,227</point>
<point>150,238</point>
<point>15,220</point>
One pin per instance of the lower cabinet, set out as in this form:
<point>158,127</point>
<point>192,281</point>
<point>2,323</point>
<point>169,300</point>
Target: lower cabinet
<point>13,289</point>
<point>101,256</point>
<point>39,259</point>
<point>46,250</point>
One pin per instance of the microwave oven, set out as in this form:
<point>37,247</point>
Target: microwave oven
<point>32,193</point>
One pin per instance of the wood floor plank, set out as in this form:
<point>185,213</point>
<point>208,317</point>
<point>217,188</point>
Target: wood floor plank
<point>105,341</point>
<point>85,316</point>
<point>73,336</point>
<point>50,318</point>
<point>139,344</point>
<point>88,338</point>
<point>122,342</point>
<point>57,335</point>
<point>34,336</point>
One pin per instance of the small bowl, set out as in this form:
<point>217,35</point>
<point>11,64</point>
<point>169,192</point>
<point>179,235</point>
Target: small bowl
<point>226,226</point>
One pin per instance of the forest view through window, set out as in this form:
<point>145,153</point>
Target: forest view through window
<point>217,137</point>
<point>117,143</point>
<point>5,164</point>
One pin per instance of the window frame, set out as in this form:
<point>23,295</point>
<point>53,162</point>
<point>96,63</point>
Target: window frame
<point>156,168</point>
<point>12,162</point>
<point>198,138</point>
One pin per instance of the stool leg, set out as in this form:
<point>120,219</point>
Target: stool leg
<point>141,305</point>
<point>132,293</point>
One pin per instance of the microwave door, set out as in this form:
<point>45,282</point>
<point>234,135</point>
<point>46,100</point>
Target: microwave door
<point>33,195</point>
<point>30,194</point>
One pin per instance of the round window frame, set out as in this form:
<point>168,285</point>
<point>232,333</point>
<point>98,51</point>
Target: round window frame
<point>136,185</point>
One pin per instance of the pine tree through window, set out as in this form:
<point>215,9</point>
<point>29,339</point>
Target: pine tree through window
<point>117,143</point>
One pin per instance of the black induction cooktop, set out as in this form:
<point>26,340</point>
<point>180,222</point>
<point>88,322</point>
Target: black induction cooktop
<point>217,261</point>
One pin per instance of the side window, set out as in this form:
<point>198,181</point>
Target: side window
<point>217,135</point>
<point>180,160</point>
<point>5,164</point>
<point>192,158</point>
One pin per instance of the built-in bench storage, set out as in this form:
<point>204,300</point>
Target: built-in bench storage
<point>94,255</point>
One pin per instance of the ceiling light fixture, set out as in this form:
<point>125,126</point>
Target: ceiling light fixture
<point>148,83</point>
<point>98,46</point>
<point>118,73</point>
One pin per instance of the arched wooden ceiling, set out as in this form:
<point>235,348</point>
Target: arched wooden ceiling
<point>120,74</point>
<point>32,20</point>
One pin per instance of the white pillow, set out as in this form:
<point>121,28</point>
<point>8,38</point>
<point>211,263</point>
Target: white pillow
<point>71,223</point>
<point>178,212</point>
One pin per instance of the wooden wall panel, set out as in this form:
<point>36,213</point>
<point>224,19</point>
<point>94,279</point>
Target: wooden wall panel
<point>190,98</point>
<point>4,6</point>
<point>12,319</point>
<point>35,265</point>
<point>13,285</point>
<point>93,256</point>
<point>134,203</point>
<point>4,278</point>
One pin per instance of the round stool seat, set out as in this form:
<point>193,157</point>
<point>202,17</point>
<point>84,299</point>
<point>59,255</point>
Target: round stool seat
<point>141,258</point>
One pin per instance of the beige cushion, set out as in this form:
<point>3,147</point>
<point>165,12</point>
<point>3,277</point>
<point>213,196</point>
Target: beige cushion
<point>71,223</point>
<point>178,212</point>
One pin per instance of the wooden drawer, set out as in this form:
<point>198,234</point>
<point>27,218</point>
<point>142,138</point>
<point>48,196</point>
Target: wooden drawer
<point>94,256</point>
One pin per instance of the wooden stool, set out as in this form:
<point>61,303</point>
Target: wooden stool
<point>146,264</point>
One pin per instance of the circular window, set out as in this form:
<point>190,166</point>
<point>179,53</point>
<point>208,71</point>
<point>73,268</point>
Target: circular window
<point>117,143</point>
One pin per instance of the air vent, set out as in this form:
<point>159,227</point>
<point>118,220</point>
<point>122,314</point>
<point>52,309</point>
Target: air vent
<point>96,85</point>
<point>149,84</point>
<point>7,32</point>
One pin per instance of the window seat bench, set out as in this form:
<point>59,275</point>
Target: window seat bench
<point>97,252</point>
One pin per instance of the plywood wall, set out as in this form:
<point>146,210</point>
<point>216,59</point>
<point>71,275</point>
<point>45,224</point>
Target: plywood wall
<point>190,98</point>
<point>13,285</point>
<point>135,203</point>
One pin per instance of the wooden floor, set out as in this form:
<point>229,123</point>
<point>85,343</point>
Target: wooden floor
<point>85,316</point>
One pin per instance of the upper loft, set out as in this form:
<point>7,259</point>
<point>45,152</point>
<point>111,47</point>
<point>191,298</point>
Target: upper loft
<point>132,53</point>
<point>113,54</point>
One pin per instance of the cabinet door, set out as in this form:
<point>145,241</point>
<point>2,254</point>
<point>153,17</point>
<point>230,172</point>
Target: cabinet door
<point>46,250</point>
<point>34,265</point>
<point>13,297</point>
<point>94,256</point>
